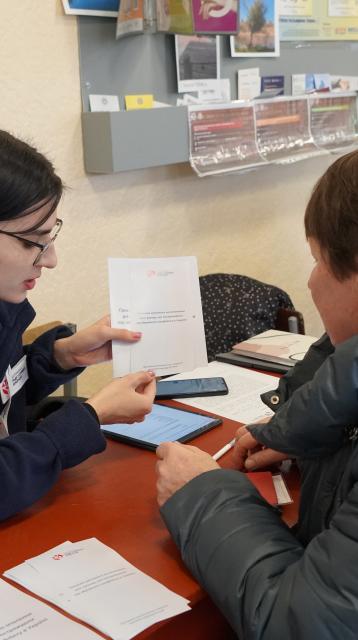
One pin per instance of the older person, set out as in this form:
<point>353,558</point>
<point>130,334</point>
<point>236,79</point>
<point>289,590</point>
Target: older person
<point>269,581</point>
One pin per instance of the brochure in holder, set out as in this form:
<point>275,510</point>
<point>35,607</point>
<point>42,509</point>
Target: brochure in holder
<point>223,138</point>
<point>334,120</point>
<point>283,131</point>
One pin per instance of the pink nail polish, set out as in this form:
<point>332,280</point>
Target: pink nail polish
<point>137,334</point>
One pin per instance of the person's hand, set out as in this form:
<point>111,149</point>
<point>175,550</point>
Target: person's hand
<point>249,454</point>
<point>90,346</point>
<point>177,465</point>
<point>126,399</point>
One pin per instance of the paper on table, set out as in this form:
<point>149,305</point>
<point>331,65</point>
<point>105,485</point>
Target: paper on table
<point>97,585</point>
<point>21,615</point>
<point>243,402</point>
<point>161,298</point>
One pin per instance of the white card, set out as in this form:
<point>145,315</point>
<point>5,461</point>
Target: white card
<point>298,84</point>
<point>249,83</point>
<point>220,93</point>
<point>103,103</point>
<point>159,297</point>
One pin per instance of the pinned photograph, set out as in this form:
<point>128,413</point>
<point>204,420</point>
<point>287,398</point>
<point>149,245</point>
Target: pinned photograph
<point>198,62</point>
<point>258,34</point>
<point>102,8</point>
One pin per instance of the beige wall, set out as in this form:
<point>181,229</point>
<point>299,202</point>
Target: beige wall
<point>249,223</point>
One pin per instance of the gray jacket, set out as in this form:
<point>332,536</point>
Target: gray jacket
<point>271,582</point>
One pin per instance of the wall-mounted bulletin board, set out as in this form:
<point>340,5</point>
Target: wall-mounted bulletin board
<point>145,64</point>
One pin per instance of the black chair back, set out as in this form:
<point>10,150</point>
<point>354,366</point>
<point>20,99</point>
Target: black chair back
<point>236,307</point>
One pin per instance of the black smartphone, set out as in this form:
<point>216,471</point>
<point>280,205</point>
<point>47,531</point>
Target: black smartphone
<point>191,388</point>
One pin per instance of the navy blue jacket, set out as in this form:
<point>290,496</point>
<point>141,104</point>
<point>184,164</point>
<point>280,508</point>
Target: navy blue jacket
<point>30,463</point>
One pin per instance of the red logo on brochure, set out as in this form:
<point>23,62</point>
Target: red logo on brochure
<point>58,556</point>
<point>5,387</point>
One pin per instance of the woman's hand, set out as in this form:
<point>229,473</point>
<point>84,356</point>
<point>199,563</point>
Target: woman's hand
<point>90,346</point>
<point>126,399</point>
<point>249,454</point>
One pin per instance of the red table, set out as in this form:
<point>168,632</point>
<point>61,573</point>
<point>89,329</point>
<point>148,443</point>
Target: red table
<point>112,497</point>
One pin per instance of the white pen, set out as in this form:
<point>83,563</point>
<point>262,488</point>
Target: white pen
<point>224,449</point>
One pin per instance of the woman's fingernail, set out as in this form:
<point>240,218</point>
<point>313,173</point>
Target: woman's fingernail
<point>151,373</point>
<point>249,464</point>
<point>137,335</point>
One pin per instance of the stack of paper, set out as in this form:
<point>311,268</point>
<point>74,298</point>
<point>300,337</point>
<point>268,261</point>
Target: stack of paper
<point>276,346</point>
<point>94,583</point>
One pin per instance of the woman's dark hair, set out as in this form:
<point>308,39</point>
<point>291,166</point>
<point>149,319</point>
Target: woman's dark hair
<point>27,180</point>
<point>331,216</point>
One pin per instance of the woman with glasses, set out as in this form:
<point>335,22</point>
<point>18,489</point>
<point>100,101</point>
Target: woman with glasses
<point>30,463</point>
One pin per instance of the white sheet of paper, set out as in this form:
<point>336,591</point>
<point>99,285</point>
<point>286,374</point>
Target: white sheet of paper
<point>220,93</point>
<point>249,83</point>
<point>243,402</point>
<point>97,585</point>
<point>161,298</point>
<point>343,8</point>
<point>22,615</point>
<point>295,7</point>
<point>298,84</point>
<point>103,103</point>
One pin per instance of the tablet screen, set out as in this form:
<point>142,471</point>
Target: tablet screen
<point>163,424</point>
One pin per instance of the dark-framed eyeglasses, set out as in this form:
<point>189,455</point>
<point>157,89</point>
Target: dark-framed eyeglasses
<point>43,247</point>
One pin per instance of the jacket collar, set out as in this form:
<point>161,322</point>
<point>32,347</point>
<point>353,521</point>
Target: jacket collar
<point>9,314</point>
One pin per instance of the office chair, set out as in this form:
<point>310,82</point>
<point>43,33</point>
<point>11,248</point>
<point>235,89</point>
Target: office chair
<point>236,307</point>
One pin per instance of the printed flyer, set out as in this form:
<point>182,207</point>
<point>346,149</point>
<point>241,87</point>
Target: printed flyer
<point>296,7</point>
<point>319,20</point>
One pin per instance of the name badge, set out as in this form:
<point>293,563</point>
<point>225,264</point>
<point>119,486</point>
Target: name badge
<point>14,379</point>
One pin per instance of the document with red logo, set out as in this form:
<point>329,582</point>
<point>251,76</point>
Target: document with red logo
<point>95,584</point>
<point>160,298</point>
